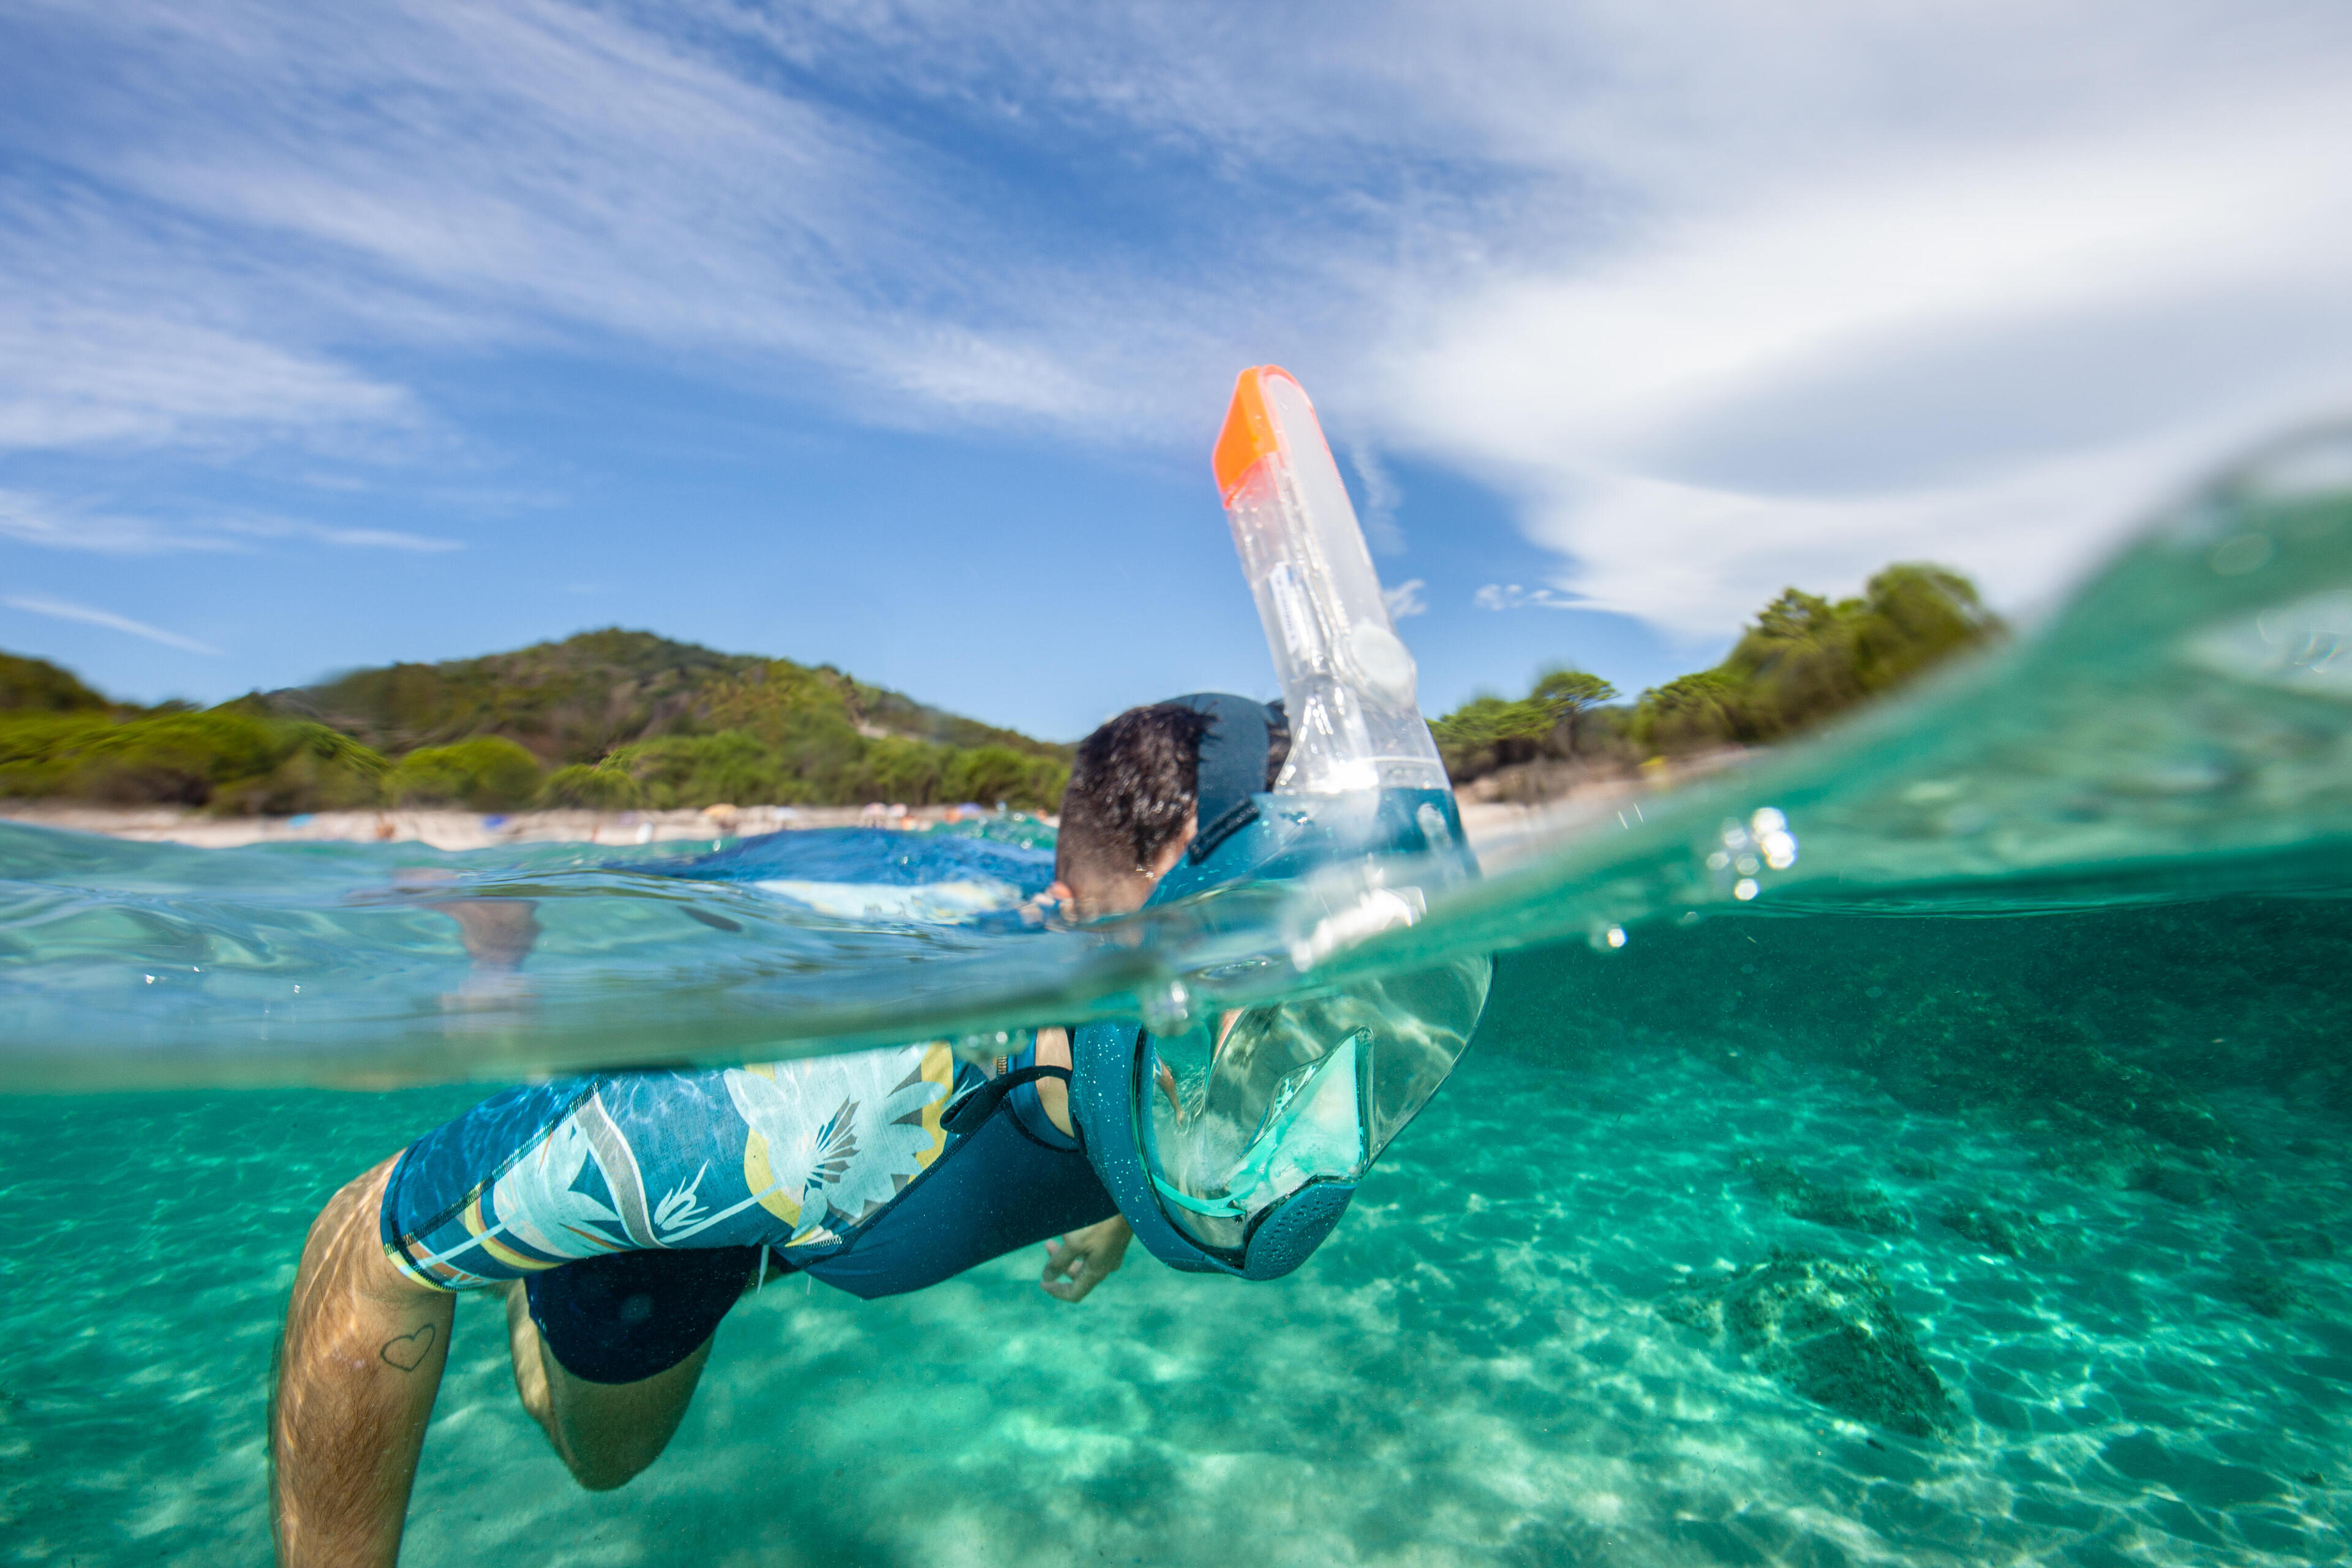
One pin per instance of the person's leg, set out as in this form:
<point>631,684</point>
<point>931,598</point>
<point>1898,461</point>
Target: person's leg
<point>357,1370</point>
<point>604,1432</point>
<point>608,1350</point>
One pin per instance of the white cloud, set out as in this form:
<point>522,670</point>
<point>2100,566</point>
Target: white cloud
<point>34,519</point>
<point>1518,596</point>
<point>119,326</point>
<point>342,537</point>
<point>81,376</point>
<point>469,176</point>
<point>1698,560</point>
<point>1837,316</point>
<point>1405,599</point>
<point>29,519</point>
<point>65,610</point>
<point>1381,499</point>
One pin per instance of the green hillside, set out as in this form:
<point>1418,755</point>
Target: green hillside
<point>608,718</point>
<point>36,686</point>
<point>576,701</point>
<point>569,701</point>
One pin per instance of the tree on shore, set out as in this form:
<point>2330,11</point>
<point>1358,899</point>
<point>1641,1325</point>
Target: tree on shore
<point>1803,660</point>
<point>1567,694</point>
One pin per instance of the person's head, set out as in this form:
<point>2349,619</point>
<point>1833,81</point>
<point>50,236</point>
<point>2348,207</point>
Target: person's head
<point>1133,805</point>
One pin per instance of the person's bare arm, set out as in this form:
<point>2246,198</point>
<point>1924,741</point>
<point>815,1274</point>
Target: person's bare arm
<point>357,1371</point>
<point>1084,1259</point>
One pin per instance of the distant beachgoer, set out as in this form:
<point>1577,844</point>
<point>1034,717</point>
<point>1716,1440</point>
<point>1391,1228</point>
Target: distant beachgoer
<point>624,1214</point>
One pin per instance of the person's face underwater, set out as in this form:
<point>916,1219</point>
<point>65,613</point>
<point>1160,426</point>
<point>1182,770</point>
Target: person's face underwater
<point>1092,897</point>
<point>1089,894</point>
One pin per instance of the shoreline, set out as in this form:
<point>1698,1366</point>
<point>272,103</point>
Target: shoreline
<point>458,830</point>
<point>1500,830</point>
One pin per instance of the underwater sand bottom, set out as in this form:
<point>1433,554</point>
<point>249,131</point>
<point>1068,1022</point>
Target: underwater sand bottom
<point>1476,1370</point>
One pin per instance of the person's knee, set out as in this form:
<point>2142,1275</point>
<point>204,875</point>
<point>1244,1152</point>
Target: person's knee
<point>606,1433</point>
<point>343,1240</point>
<point>354,1202</point>
<point>607,1472</point>
<point>611,1454</point>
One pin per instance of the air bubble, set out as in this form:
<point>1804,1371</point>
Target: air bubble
<point>1169,1009</point>
<point>2237,556</point>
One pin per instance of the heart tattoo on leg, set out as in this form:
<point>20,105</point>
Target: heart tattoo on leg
<point>408,1351</point>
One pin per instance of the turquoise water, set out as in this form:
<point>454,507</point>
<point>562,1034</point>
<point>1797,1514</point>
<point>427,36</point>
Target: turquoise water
<point>1967,1187</point>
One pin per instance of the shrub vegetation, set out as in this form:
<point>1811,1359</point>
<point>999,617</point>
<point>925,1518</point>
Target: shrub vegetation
<point>489,773</point>
<point>1804,659</point>
<point>226,759</point>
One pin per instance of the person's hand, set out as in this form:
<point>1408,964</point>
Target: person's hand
<point>1084,1259</point>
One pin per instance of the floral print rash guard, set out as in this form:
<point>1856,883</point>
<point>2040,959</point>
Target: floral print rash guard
<point>796,1155</point>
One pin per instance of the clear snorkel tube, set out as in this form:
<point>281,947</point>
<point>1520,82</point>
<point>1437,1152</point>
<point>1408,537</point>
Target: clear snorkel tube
<point>1347,678</point>
<point>1234,1144</point>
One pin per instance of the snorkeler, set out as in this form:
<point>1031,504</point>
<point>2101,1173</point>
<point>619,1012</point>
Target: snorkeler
<point>625,1213</point>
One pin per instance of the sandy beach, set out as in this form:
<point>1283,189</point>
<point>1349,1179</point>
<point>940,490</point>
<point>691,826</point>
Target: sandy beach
<point>456,830</point>
<point>1501,830</point>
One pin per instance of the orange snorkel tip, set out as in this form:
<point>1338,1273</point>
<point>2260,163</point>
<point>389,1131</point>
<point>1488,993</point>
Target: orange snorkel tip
<point>1249,435</point>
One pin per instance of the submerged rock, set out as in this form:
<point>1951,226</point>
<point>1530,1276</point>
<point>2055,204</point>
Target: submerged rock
<point>2012,1233</point>
<point>2268,1291</point>
<point>1828,1329</point>
<point>2125,1157</point>
<point>1795,1193</point>
<point>2307,1241</point>
<point>2097,1157</point>
<point>2180,1182</point>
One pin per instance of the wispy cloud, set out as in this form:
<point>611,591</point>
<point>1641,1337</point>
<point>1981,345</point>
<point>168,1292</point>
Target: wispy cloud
<point>65,610</point>
<point>35,520</point>
<point>1381,499</point>
<point>1516,596</point>
<point>90,374</point>
<point>497,175</point>
<point>123,324</point>
<point>30,519</point>
<point>1405,599</point>
<point>341,538</point>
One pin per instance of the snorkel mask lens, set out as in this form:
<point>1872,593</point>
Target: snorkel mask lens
<point>1282,1097</point>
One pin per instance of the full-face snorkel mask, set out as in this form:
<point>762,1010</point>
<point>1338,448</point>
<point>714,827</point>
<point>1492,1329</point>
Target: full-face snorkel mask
<point>1235,1146</point>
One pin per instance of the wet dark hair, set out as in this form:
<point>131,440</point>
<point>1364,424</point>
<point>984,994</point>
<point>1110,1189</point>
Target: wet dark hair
<point>1136,782</point>
<point>1133,785</point>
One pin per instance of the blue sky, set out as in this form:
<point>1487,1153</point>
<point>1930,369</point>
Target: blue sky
<point>894,336</point>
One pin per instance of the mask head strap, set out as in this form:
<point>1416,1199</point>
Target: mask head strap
<point>1232,750</point>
